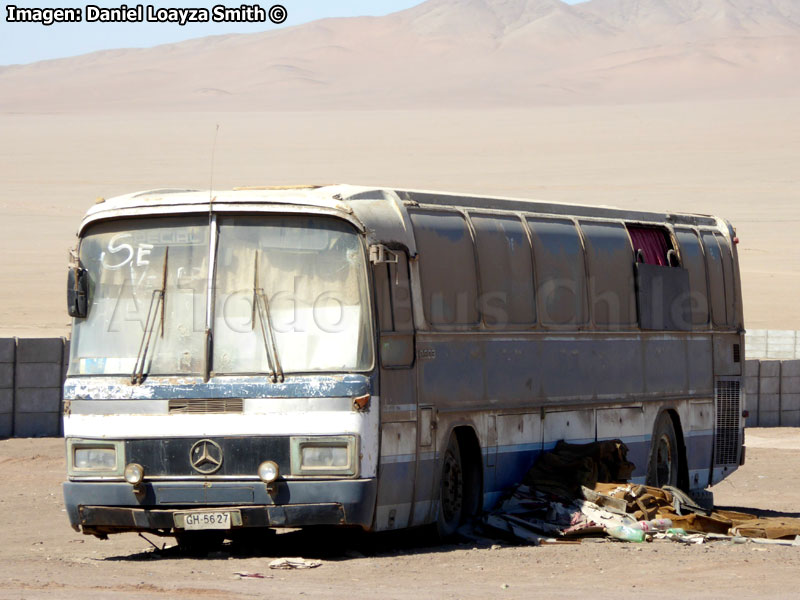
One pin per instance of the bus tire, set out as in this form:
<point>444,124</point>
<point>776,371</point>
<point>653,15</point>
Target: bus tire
<point>451,490</point>
<point>664,464</point>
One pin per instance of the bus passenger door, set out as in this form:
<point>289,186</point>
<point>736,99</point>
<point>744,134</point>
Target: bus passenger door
<point>398,398</point>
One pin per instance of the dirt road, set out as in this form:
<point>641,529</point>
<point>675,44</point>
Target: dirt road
<point>41,557</point>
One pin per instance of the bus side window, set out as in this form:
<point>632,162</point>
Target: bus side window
<point>393,299</point>
<point>611,286</point>
<point>506,271</point>
<point>560,272</point>
<point>401,294</point>
<point>716,279</point>
<point>447,267</point>
<point>692,260</point>
<point>727,271</point>
<point>383,299</point>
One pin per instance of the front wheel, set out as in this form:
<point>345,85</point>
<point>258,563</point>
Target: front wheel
<point>451,491</point>
<point>664,454</point>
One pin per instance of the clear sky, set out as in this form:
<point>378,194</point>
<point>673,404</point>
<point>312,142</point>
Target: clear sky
<point>29,42</point>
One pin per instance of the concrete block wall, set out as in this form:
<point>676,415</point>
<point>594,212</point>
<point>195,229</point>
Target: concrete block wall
<point>8,352</point>
<point>772,393</point>
<point>773,343</point>
<point>31,386</point>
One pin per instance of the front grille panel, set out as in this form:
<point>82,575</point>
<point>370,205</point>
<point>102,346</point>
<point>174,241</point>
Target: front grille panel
<point>170,457</point>
<point>726,446</point>
<point>205,406</point>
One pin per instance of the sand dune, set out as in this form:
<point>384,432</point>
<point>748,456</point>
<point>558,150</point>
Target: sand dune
<point>442,54</point>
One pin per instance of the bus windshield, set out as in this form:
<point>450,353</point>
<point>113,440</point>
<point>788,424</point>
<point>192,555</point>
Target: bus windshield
<point>312,273</point>
<point>125,261</point>
<point>290,295</point>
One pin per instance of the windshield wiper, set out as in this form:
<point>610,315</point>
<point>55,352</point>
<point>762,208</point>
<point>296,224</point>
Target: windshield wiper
<point>154,313</point>
<point>261,306</point>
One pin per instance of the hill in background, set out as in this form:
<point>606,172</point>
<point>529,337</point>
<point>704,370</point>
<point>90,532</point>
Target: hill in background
<point>444,53</point>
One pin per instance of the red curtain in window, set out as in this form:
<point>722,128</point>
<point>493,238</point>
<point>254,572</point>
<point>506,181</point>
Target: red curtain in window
<point>652,242</point>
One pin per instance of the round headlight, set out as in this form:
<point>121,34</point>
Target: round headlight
<point>268,471</point>
<point>134,473</point>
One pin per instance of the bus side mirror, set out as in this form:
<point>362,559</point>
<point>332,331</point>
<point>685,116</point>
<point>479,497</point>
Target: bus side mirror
<point>77,292</point>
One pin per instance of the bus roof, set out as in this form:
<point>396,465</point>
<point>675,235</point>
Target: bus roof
<point>381,212</point>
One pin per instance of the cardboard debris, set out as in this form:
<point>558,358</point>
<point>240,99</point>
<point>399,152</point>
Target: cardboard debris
<point>576,491</point>
<point>294,563</point>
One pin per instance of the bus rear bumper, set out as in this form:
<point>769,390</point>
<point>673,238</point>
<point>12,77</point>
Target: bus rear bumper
<point>103,508</point>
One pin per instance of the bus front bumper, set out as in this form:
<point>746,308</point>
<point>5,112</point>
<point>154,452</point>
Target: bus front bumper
<point>100,508</point>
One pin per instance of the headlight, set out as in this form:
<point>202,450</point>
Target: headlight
<point>268,471</point>
<point>134,473</point>
<point>325,455</point>
<point>95,459</point>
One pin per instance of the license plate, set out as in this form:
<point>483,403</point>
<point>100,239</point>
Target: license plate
<point>204,520</point>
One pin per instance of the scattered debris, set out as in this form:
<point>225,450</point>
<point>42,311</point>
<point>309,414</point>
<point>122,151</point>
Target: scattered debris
<point>294,563</point>
<point>579,491</point>
<point>246,575</point>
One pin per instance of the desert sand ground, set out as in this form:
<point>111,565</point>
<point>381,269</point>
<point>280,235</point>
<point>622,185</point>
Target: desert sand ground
<point>41,557</point>
<point>737,159</point>
<point>740,160</point>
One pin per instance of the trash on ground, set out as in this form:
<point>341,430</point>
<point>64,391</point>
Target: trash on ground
<point>581,490</point>
<point>294,563</point>
<point>246,575</point>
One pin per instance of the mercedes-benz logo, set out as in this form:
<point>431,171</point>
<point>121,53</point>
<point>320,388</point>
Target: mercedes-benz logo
<point>205,456</point>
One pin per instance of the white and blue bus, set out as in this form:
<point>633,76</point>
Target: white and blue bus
<point>382,358</point>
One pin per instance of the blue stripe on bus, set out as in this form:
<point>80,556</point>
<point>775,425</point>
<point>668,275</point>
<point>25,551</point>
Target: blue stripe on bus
<point>295,386</point>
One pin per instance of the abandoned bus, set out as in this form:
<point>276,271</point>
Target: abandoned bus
<point>381,358</point>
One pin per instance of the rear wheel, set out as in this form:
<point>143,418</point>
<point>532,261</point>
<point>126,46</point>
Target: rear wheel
<point>451,490</point>
<point>664,454</point>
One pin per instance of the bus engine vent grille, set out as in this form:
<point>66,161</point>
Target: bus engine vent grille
<point>203,406</point>
<point>726,447</point>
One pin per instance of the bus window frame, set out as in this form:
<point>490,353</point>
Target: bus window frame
<point>708,324</point>
<point>589,252</point>
<point>538,260</point>
<point>419,264</point>
<point>404,333</point>
<point>520,220</point>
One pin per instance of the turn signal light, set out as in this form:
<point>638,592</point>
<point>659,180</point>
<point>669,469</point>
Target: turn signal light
<point>361,403</point>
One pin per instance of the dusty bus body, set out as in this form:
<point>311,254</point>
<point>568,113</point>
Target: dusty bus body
<point>384,358</point>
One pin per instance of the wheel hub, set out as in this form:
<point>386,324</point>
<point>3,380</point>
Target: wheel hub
<point>452,487</point>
